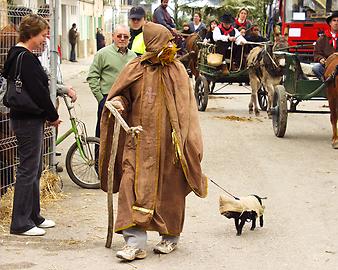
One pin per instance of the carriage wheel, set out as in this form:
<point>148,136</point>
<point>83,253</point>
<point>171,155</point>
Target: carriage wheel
<point>279,111</point>
<point>262,95</point>
<point>201,92</point>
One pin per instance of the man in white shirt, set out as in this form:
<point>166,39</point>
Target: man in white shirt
<point>224,35</point>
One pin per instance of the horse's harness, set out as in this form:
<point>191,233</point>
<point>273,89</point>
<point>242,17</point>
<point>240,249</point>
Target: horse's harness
<point>258,64</point>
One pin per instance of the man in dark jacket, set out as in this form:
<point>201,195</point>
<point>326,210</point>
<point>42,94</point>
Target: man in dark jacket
<point>326,45</point>
<point>72,36</point>
<point>100,39</point>
<point>162,16</point>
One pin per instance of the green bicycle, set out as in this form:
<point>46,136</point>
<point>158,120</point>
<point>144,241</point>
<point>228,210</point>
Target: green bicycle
<point>82,156</point>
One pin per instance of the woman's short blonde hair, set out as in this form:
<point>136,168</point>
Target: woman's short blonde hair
<point>30,26</point>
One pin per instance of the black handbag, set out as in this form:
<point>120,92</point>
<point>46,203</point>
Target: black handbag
<point>16,97</point>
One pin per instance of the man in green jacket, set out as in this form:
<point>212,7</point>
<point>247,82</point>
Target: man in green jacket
<point>107,64</point>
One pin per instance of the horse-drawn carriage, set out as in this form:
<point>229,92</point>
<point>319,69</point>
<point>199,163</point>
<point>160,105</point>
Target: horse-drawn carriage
<point>295,88</point>
<point>209,75</point>
<point>292,85</point>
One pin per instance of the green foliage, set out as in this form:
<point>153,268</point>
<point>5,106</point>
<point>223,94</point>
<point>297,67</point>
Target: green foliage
<point>256,8</point>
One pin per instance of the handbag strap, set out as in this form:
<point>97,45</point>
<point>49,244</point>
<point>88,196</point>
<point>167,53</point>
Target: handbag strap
<point>18,66</point>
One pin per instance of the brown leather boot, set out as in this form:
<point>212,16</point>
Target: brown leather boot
<point>225,69</point>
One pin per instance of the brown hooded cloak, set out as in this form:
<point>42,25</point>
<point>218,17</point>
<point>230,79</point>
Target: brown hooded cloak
<point>162,164</point>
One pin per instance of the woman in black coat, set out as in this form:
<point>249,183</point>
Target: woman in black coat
<point>28,126</point>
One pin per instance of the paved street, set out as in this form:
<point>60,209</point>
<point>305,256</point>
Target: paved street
<point>298,174</point>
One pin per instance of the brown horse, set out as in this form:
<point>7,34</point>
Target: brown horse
<point>191,46</point>
<point>192,51</point>
<point>331,69</point>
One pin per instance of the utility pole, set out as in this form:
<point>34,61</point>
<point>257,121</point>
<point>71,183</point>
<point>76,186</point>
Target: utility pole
<point>54,16</point>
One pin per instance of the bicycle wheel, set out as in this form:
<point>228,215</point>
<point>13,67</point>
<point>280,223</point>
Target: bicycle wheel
<point>83,170</point>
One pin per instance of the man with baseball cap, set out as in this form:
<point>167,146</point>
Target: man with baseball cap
<point>326,45</point>
<point>136,21</point>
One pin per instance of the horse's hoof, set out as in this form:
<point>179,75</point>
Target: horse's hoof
<point>250,111</point>
<point>257,113</point>
<point>335,145</point>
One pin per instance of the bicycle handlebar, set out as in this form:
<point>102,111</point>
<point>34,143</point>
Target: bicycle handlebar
<point>69,105</point>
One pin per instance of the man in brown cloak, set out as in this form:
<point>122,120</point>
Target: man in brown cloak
<point>158,168</point>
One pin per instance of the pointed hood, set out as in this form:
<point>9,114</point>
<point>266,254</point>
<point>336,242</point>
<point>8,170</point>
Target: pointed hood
<point>156,37</point>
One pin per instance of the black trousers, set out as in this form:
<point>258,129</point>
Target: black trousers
<point>26,205</point>
<point>97,131</point>
<point>224,48</point>
<point>99,113</point>
<point>72,53</point>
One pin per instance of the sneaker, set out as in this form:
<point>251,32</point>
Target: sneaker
<point>35,231</point>
<point>48,223</point>
<point>131,253</point>
<point>165,247</point>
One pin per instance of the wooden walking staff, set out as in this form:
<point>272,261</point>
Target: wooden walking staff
<point>119,121</point>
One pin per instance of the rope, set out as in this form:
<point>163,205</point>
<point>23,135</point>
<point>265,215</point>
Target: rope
<point>273,61</point>
<point>227,192</point>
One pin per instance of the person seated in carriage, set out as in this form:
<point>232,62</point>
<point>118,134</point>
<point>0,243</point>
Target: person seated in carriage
<point>210,29</point>
<point>228,40</point>
<point>326,45</point>
<point>254,36</point>
<point>186,29</point>
<point>185,32</point>
<point>241,21</point>
<point>197,25</point>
